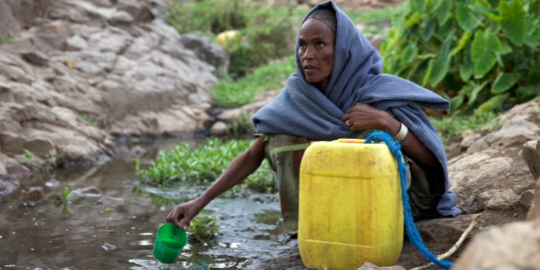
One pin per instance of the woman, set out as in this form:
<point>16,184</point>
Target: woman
<point>338,91</point>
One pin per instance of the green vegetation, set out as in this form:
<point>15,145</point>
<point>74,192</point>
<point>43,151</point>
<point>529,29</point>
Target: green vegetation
<point>375,16</point>
<point>264,33</point>
<point>64,201</point>
<point>6,38</point>
<point>203,165</point>
<point>88,119</point>
<point>204,228</point>
<point>481,54</point>
<point>451,128</point>
<point>229,93</point>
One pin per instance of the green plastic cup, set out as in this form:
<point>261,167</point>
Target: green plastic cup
<point>169,242</point>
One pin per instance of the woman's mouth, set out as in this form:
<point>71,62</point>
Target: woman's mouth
<point>310,68</point>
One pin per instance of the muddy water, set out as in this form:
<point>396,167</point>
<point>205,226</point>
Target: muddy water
<point>37,235</point>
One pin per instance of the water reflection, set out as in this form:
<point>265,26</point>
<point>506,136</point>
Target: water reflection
<point>81,234</point>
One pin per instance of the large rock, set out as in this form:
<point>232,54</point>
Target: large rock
<point>207,51</point>
<point>78,71</point>
<point>512,246</point>
<point>515,133</point>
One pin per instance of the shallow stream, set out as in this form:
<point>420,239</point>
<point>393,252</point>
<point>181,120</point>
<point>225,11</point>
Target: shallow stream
<point>37,236</point>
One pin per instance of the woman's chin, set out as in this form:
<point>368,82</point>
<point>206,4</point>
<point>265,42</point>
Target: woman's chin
<point>312,80</point>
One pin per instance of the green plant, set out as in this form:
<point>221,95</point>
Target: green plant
<point>28,156</point>
<point>88,119</point>
<point>6,38</point>
<point>228,93</point>
<point>208,16</point>
<point>450,128</point>
<point>480,54</point>
<point>204,228</point>
<point>66,194</point>
<point>109,209</point>
<point>64,200</point>
<point>375,16</point>
<point>202,165</point>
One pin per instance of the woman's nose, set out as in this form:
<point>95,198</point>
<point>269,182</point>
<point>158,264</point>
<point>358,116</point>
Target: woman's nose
<point>309,53</point>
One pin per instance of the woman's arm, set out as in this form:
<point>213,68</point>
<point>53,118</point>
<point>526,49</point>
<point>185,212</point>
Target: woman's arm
<point>241,167</point>
<point>363,116</point>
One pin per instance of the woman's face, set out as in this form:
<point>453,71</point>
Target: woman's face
<point>316,52</point>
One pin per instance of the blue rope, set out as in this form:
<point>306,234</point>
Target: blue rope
<point>412,232</point>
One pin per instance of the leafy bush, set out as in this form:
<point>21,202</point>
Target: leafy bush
<point>266,32</point>
<point>203,165</point>
<point>481,54</point>
<point>229,93</point>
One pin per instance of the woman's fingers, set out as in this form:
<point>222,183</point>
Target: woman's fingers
<point>175,215</point>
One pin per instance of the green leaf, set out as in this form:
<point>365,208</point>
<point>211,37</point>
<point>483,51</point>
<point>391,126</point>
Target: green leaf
<point>533,77</point>
<point>444,12</point>
<point>483,50</point>
<point>513,23</point>
<point>531,90</point>
<point>447,44</point>
<point>439,70</point>
<point>446,28</point>
<point>467,67</point>
<point>462,43</point>
<point>409,54</point>
<point>418,5</point>
<point>503,82</point>
<point>492,104</point>
<point>411,21</point>
<point>456,101</point>
<point>428,30</point>
<point>465,17</point>
<point>474,93</point>
<point>532,38</point>
<point>505,48</point>
<point>428,73</point>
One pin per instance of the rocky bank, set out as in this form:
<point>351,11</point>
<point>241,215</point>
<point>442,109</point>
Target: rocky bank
<point>79,72</point>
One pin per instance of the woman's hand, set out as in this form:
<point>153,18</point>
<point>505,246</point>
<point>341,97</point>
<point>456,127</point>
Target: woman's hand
<point>185,212</point>
<point>363,116</point>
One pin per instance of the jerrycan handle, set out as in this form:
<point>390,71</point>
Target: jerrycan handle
<point>350,141</point>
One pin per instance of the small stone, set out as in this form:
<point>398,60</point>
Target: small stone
<point>76,43</point>
<point>108,247</point>
<point>53,183</point>
<point>218,128</point>
<point>110,201</point>
<point>33,193</point>
<point>526,198</point>
<point>88,192</point>
<point>37,58</point>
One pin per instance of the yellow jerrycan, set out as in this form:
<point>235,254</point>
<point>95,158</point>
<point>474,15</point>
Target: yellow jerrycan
<point>350,209</point>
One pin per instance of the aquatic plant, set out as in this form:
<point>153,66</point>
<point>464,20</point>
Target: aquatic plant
<point>202,165</point>
<point>203,228</point>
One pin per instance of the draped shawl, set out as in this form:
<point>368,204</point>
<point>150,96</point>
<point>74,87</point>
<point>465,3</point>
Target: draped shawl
<point>302,110</point>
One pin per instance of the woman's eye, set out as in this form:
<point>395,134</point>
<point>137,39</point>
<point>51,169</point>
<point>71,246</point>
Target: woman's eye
<point>320,45</point>
<point>302,46</point>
